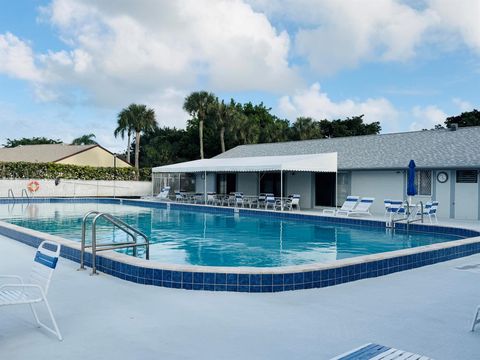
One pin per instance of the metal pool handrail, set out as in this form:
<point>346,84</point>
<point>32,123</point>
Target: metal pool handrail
<point>24,192</point>
<point>122,225</point>
<point>11,194</point>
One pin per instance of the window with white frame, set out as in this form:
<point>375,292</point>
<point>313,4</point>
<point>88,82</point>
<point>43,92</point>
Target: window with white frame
<point>423,182</point>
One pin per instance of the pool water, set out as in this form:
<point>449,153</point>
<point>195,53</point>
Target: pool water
<point>197,238</point>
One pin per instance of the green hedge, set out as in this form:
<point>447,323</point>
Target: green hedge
<point>24,170</point>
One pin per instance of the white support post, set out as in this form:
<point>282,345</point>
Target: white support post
<point>281,190</point>
<point>205,187</point>
<point>336,188</point>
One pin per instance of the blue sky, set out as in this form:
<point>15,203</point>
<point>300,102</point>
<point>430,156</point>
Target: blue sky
<point>67,67</point>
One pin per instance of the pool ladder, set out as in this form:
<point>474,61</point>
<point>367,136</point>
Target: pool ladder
<point>408,216</point>
<point>122,225</point>
<point>11,195</point>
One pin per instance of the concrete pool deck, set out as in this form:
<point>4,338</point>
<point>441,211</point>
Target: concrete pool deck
<point>427,310</point>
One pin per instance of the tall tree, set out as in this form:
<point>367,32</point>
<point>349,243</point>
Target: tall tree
<point>305,128</point>
<point>225,115</point>
<point>30,141</point>
<point>84,140</point>
<point>141,120</point>
<point>197,105</point>
<point>125,126</point>
<point>469,118</point>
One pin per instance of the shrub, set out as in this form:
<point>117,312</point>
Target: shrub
<point>25,170</point>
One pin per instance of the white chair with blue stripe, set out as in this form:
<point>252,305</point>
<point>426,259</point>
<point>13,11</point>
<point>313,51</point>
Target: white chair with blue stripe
<point>239,200</point>
<point>270,201</point>
<point>349,204</point>
<point>386,203</point>
<point>163,195</point>
<point>432,212</point>
<point>379,352</point>
<point>396,207</point>
<point>35,291</point>
<point>363,207</point>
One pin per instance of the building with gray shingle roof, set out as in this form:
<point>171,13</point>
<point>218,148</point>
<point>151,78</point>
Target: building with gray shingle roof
<point>375,166</point>
<point>431,149</point>
<point>84,155</point>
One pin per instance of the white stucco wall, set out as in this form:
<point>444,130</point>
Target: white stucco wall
<point>79,188</point>
<point>300,183</point>
<point>200,183</point>
<point>442,194</point>
<point>466,201</point>
<point>378,184</point>
<point>247,183</point>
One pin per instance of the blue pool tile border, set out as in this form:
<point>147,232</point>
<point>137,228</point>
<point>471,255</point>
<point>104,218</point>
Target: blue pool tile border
<point>261,281</point>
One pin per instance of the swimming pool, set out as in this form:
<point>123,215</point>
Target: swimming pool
<point>222,239</point>
<point>198,247</point>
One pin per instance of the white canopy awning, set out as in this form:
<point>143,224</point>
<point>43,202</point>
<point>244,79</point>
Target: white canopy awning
<point>326,162</point>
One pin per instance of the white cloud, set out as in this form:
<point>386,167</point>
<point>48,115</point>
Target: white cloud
<point>314,103</point>
<point>120,52</point>
<point>427,117</point>
<point>17,58</point>
<point>122,47</point>
<point>461,19</point>
<point>462,105</point>
<point>336,34</point>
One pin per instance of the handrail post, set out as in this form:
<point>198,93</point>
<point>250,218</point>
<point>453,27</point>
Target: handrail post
<point>421,211</point>
<point>94,244</point>
<point>11,194</point>
<point>83,240</point>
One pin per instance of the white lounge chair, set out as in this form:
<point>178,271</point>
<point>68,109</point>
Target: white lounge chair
<point>386,203</point>
<point>179,197</point>
<point>270,201</point>
<point>239,201</point>
<point>396,208</point>
<point>163,195</point>
<point>362,207</point>
<point>430,211</point>
<point>260,201</point>
<point>35,291</point>
<point>211,198</point>
<point>293,201</point>
<point>374,351</point>
<point>348,205</point>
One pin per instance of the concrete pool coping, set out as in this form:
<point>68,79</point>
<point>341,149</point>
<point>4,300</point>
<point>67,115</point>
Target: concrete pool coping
<point>255,279</point>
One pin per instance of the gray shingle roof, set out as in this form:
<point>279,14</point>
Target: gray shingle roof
<point>430,149</point>
<point>41,153</point>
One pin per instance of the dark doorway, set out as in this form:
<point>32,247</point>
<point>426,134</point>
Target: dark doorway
<point>325,189</point>
<point>226,183</point>
<point>270,183</point>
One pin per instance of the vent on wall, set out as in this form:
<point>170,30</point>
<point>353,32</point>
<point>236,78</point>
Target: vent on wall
<point>467,176</point>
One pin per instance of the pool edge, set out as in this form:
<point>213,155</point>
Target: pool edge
<point>251,279</point>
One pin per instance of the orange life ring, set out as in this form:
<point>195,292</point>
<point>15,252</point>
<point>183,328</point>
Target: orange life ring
<point>33,186</point>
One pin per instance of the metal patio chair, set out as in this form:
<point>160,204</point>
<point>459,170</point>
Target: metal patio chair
<point>36,290</point>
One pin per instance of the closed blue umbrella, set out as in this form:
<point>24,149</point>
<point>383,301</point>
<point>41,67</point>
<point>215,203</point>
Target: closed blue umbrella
<point>411,190</point>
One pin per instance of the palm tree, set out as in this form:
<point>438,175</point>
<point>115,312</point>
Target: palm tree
<point>306,128</point>
<point>124,125</point>
<point>224,114</point>
<point>84,140</point>
<point>244,129</point>
<point>197,104</point>
<point>138,119</point>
